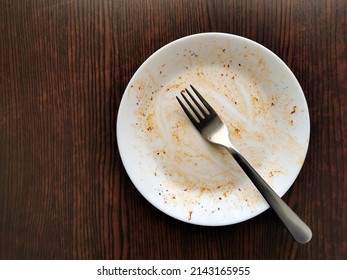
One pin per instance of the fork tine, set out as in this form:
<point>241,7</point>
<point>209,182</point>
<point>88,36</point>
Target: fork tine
<point>207,105</point>
<point>197,114</point>
<point>202,110</point>
<point>188,113</point>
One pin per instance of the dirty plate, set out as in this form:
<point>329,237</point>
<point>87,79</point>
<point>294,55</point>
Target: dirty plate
<point>173,167</point>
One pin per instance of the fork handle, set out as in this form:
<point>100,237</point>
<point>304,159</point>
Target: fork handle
<point>297,228</point>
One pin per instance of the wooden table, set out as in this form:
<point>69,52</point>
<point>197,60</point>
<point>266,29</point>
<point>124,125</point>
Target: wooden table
<point>64,193</point>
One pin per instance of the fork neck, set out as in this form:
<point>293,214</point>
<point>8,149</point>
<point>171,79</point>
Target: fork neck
<point>232,150</point>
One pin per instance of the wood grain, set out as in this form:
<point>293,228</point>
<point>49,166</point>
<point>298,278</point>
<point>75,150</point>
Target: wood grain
<point>64,193</point>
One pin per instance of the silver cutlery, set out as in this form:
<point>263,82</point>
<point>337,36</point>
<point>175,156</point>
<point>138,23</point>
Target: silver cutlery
<point>213,129</point>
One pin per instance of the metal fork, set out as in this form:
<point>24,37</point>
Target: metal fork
<point>214,130</point>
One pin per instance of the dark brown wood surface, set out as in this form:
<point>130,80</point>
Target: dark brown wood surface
<point>64,65</point>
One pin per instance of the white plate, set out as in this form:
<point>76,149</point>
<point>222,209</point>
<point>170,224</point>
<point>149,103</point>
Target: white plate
<point>173,167</point>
